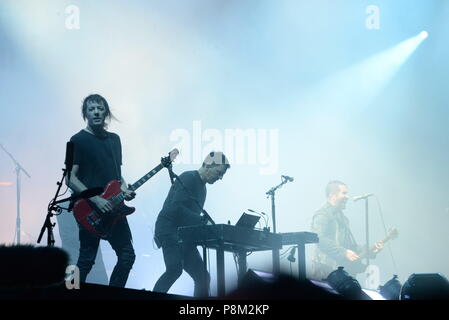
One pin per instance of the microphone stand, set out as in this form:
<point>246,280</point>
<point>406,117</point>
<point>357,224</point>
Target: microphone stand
<point>19,169</point>
<point>48,225</point>
<point>271,193</point>
<point>367,235</point>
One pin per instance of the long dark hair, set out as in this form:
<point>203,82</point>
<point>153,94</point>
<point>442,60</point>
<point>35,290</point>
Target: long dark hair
<point>98,99</point>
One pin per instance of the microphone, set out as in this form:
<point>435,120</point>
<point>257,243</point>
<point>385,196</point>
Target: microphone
<point>363,196</point>
<point>287,178</point>
<point>263,213</point>
<point>69,158</point>
<point>264,216</point>
<point>291,256</point>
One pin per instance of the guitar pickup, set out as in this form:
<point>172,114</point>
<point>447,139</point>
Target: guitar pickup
<point>93,219</point>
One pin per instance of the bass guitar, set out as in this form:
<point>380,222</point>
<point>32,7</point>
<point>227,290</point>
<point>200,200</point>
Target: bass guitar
<point>102,224</point>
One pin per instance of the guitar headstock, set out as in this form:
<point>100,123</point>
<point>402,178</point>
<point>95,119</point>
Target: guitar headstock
<point>167,161</point>
<point>392,233</point>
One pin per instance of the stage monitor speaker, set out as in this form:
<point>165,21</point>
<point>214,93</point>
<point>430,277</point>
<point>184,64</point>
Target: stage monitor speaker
<point>27,266</point>
<point>258,284</point>
<point>425,286</point>
<point>346,285</point>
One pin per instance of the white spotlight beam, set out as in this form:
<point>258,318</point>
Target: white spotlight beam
<point>361,82</point>
<point>424,34</point>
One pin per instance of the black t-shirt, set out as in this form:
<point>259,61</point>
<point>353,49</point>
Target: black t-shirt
<point>99,158</point>
<point>183,205</point>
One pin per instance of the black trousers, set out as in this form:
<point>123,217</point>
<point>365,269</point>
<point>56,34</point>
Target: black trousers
<point>120,241</point>
<point>70,242</point>
<point>177,258</point>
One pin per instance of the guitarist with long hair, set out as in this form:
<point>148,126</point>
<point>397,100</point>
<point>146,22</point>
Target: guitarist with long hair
<point>337,246</point>
<point>96,161</point>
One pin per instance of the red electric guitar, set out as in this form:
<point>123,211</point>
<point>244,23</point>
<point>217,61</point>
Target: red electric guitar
<point>102,224</point>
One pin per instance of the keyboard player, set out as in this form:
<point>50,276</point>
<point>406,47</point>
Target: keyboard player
<point>183,207</point>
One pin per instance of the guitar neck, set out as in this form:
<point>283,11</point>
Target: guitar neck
<point>121,196</point>
<point>146,177</point>
<point>373,248</point>
<point>387,238</point>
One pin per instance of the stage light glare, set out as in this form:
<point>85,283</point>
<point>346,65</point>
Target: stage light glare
<point>423,34</point>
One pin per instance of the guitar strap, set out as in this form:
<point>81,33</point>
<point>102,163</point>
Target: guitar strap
<point>205,214</point>
<point>344,222</point>
<point>176,178</point>
<point>119,177</point>
<point>351,236</point>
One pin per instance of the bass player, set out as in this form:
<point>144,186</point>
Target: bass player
<point>96,161</point>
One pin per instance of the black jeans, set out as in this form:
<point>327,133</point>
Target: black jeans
<point>178,257</point>
<point>120,241</point>
<point>70,242</point>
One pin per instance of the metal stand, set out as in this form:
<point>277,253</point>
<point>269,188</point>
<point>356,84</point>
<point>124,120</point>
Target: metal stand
<point>52,207</point>
<point>301,248</point>
<point>367,234</point>
<point>271,193</point>
<point>19,169</point>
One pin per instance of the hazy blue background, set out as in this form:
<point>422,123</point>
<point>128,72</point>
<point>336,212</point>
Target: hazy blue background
<point>287,65</point>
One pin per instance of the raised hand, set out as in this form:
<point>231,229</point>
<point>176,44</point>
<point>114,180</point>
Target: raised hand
<point>378,246</point>
<point>351,255</point>
<point>129,195</point>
